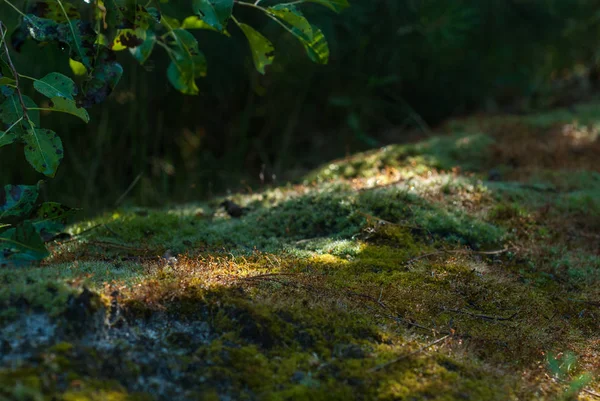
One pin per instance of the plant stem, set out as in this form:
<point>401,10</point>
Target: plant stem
<point>3,31</point>
<point>15,8</point>
<point>267,13</point>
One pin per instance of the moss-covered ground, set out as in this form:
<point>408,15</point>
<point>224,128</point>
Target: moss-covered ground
<point>465,266</point>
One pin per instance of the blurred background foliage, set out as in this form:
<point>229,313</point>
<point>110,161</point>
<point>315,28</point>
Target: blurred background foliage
<point>397,68</point>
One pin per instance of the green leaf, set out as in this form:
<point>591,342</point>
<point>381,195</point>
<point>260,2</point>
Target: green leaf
<point>170,22</point>
<point>215,13</point>
<point>262,49</point>
<point>105,76</point>
<point>128,14</point>
<point>293,17</point>
<point>78,35</point>
<point>187,62</point>
<point>55,84</point>
<point>43,150</point>
<point>77,68</point>
<point>51,218</point>
<point>21,245</point>
<point>17,200</point>
<point>183,72</point>
<point>318,48</point>
<point>6,138</point>
<point>143,51</point>
<point>335,5</point>
<point>309,35</point>
<point>52,10</point>
<point>69,106</point>
<point>194,22</point>
<point>11,110</point>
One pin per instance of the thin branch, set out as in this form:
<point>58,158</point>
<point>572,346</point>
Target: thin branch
<point>480,316</point>
<point>3,31</point>
<point>466,251</point>
<point>403,357</point>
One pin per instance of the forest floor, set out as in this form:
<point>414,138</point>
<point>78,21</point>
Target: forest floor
<point>465,266</point>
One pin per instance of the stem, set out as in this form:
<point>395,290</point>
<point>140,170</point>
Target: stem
<point>267,13</point>
<point>15,8</point>
<point>13,124</point>
<point>3,31</point>
<point>68,21</point>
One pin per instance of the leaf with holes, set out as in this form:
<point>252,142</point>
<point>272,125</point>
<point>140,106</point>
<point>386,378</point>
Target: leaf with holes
<point>215,13</point>
<point>50,219</point>
<point>55,84</point>
<point>43,150</point>
<point>128,39</point>
<point>17,200</point>
<point>69,106</point>
<point>262,49</point>
<point>21,246</point>
<point>11,110</point>
<point>309,35</point>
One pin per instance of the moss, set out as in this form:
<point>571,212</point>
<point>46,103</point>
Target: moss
<point>322,283</point>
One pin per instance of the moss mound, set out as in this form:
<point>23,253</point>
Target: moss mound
<point>464,266</point>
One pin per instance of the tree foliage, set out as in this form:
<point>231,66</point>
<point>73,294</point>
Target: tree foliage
<point>91,32</point>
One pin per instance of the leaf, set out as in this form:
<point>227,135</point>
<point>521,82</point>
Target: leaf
<point>69,106</point>
<point>170,22</point>
<point>335,5</point>
<point>55,84</point>
<point>143,51</point>
<point>21,245</point>
<point>77,68</point>
<point>43,150</point>
<point>262,49</point>
<point>187,64</point>
<point>6,138</point>
<point>17,200</point>
<point>105,76</point>
<point>294,18</point>
<point>184,42</point>
<point>215,13</point>
<point>52,10</point>
<point>194,22</point>
<point>50,219</point>
<point>78,35</point>
<point>11,110</point>
<point>128,39</point>
<point>182,73</point>
<point>127,14</point>
<point>318,48</point>
<point>310,36</point>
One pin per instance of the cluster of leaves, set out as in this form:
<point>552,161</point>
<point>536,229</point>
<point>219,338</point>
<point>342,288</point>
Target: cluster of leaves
<point>92,32</point>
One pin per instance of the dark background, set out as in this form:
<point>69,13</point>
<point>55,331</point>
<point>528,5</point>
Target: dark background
<point>398,68</point>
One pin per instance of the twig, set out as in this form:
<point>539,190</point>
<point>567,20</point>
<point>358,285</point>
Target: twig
<point>423,348</point>
<point>3,31</point>
<point>590,392</point>
<point>370,216</point>
<point>128,190</point>
<point>480,316</point>
<point>113,245</point>
<point>467,251</point>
